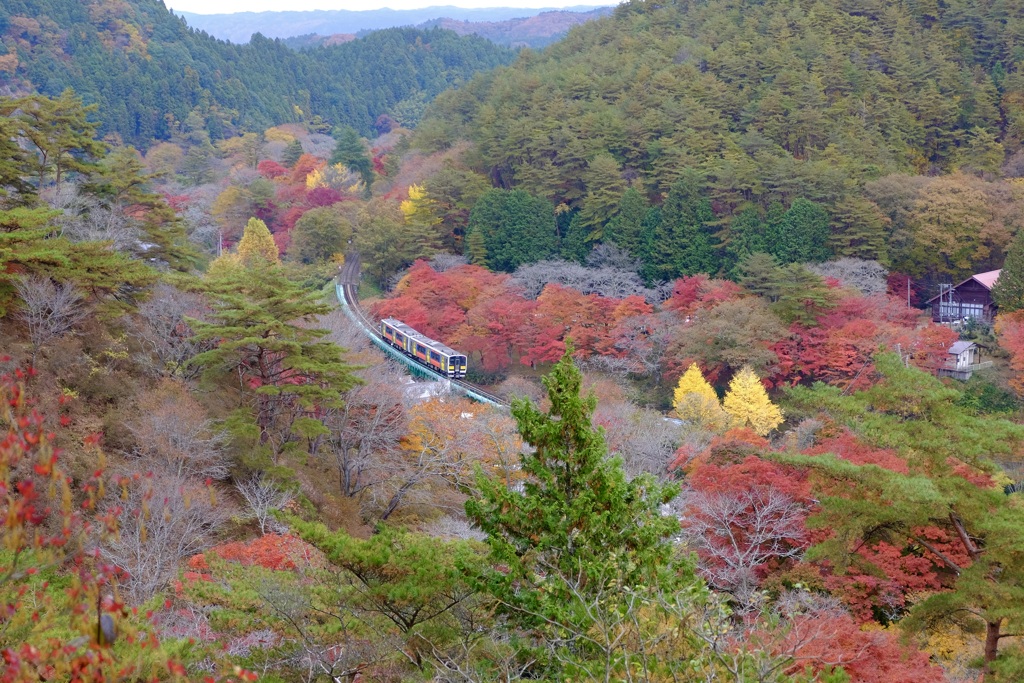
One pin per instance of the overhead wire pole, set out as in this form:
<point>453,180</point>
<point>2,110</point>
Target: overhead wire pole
<point>347,288</point>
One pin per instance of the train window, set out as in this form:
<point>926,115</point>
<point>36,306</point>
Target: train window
<point>434,355</point>
<point>421,349</point>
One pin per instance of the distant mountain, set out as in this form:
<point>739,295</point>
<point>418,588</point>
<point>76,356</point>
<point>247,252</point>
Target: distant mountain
<point>239,27</point>
<point>153,77</point>
<point>533,31</point>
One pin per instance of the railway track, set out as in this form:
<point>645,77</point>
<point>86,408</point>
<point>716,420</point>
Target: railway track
<point>348,295</point>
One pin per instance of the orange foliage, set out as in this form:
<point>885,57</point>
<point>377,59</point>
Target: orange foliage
<point>1010,328</point>
<point>272,551</point>
<point>306,164</point>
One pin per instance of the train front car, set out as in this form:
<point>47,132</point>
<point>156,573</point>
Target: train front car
<point>435,355</point>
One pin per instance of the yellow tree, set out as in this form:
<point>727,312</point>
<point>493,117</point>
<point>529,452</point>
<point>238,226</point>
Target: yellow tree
<point>696,401</point>
<point>257,244</point>
<point>419,208</point>
<point>748,405</point>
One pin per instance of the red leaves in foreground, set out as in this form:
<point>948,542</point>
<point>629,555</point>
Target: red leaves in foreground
<point>45,526</point>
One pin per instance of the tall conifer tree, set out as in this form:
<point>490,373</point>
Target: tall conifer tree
<point>577,536</point>
<point>1008,292</point>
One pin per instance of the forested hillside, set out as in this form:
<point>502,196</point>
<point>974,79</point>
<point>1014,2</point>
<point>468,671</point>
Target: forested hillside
<point>152,75</point>
<point>683,246</point>
<point>810,129</point>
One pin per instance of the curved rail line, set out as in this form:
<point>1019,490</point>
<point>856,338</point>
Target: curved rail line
<point>347,289</point>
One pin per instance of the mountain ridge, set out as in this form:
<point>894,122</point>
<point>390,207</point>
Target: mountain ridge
<point>240,26</point>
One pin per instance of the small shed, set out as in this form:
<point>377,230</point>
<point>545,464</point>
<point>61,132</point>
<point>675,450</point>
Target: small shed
<point>963,354</point>
<point>963,358</point>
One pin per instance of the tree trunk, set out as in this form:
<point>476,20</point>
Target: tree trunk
<point>991,647</point>
<point>396,499</point>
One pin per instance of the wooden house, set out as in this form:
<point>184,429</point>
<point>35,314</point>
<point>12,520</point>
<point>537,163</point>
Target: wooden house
<point>972,298</point>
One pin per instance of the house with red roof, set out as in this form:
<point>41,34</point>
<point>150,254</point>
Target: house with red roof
<point>971,298</point>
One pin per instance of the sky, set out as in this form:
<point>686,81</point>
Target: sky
<point>227,6</point>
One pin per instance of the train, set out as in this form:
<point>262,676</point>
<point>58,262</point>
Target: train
<point>423,349</point>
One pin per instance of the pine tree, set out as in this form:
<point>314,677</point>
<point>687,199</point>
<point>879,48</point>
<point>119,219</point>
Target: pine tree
<point>476,250</point>
<point>292,153</point>
<point>257,245</point>
<point>351,152</point>
<point>626,228</point>
<point>1008,292</point>
<point>605,186</point>
<point>859,229</point>
<point>748,405</point>
<point>683,242</point>
<point>264,327</point>
<point>61,135</point>
<point>803,234</point>
<point>947,483</point>
<point>13,159</point>
<point>696,402</point>
<point>120,182</point>
<point>578,538</point>
<point>29,244</point>
<point>746,234</point>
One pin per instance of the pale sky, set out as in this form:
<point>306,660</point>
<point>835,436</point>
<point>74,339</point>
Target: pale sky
<point>227,6</point>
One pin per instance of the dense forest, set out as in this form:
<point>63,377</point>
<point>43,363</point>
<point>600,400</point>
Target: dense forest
<point>809,129</point>
<point>153,76</point>
<point>732,451</point>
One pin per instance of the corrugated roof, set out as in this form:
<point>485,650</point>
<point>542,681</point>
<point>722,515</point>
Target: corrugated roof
<point>988,279</point>
<point>959,347</point>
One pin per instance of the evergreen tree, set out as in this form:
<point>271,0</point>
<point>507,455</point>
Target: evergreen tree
<point>775,228</point>
<point>63,138</point>
<point>626,228</point>
<point>683,242</point>
<point>746,234</point>
<point>517,228</point>
<point>575,245</point>
<point>121,183</point>
<point>351,152</point>
<point>748,405</point>
<point>476,250</point>
<point>946,483</point>
<point>30,244</point>
<point>264,328</point>
<point>605,186</point>
<point>759,273</point>
<point>1008,292</point>
<point>696,402</point>
<point>577,540</point>
<point>292,153</point>
<point>803,236</point>
<point>800,295</point>
<point>13,159</point>
<point>859,229</point>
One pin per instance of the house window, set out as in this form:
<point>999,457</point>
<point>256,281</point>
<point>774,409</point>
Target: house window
<point>949,310</point>
<point>972,311</point>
